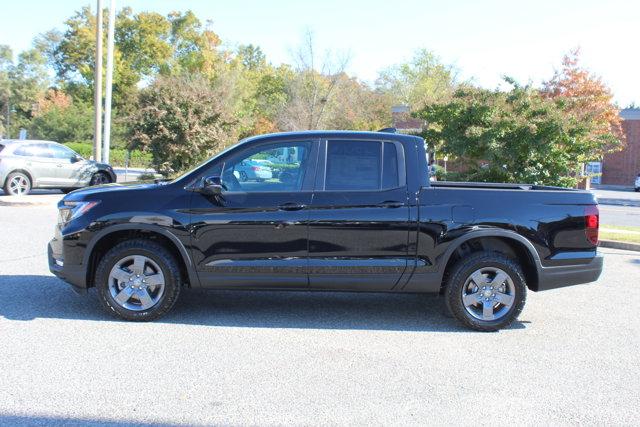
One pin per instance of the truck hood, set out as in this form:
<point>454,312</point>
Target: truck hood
<point>87,192</point>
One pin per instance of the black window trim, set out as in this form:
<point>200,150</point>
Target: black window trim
<point>321,178</point>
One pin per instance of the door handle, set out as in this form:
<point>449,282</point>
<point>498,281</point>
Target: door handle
<point>291,207</point>
<point>59,165</point>
<point>391,204</point>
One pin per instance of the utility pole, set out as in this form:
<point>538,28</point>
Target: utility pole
<point>109,83</point>
<point>97,138</point>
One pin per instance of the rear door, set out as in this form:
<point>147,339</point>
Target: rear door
<point>359,216</point>
<point>40,163</point>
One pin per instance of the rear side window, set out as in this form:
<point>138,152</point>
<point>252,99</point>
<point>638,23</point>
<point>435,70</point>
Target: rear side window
<point>361,166</point>
<point>24,150</point>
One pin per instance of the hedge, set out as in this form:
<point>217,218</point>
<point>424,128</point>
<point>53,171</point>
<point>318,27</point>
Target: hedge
<point>117,156</point>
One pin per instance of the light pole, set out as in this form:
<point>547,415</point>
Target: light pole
<point>109,84</point>
<point>97,138</point>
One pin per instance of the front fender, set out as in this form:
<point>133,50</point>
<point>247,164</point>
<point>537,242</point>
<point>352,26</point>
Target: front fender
<point>184,254</point>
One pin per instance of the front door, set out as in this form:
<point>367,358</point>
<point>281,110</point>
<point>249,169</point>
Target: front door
<point>72,171</point>
<point>359,217</point>
<point>255,234</point>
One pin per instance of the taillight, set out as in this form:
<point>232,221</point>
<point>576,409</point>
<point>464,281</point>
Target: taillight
<point>591,223</point>
<point>255,168</point>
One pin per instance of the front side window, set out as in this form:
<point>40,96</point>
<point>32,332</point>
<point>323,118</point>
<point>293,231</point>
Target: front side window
<point>274,167</point>
<point>361,166</point>
<point>62,152</point>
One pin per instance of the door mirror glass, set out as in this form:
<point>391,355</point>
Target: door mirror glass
<point>75,158</point>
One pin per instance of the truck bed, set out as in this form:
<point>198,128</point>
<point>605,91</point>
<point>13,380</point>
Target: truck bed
<point>497,186</point>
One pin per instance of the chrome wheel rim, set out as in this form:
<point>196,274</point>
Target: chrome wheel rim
<point>488,294</point>
<point>136,283</point>
<point>18,185</point>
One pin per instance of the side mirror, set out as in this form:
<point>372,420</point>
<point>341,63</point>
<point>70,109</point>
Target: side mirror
<point>75,158</point>
<point>212,186</point>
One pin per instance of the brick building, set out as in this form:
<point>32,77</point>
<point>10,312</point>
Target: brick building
<point>622,167</point>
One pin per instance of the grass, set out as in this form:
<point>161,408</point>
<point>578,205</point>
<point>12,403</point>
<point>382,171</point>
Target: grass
<point>619,233</point>
<point>621,227</point>
<point>619,237</point>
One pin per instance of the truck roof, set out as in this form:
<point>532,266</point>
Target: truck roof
<point>322,134</point>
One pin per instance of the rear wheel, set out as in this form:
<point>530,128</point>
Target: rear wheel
<point>243,176</point>
<point>138,280</point>
<point>17,184</point>
<point>486,291</point>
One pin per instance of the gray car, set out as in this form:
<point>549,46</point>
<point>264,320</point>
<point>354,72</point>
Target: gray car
<point>25,165</point>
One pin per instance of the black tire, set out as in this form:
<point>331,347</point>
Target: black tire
<point>99,178</point>
<point>458,277</point>
<point>161,256</point>
<point>7,184</point>
<point>243,176</point>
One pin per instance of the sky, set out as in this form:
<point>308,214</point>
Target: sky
<point>483,39</point>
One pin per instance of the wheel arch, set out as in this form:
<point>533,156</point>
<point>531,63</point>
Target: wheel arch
<point>509,243</point>
<point>20,170</point>
<point>108,237</point>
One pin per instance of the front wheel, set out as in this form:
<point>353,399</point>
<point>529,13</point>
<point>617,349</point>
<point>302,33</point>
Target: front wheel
<point>99,178</point>
<point>138,280</point>
<point>486,291</point>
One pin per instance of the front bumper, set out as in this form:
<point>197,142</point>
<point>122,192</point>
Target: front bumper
<point>568,275</point>
<point>70,273</point>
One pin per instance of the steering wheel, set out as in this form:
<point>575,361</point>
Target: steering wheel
<point>230,180</point>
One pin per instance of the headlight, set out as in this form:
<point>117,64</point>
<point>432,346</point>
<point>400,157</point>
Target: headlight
<point>73,210</point>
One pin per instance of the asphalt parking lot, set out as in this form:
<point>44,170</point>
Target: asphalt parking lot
<point>270,358</point>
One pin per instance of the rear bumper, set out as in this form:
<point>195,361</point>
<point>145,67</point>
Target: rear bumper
<point>568,275</point>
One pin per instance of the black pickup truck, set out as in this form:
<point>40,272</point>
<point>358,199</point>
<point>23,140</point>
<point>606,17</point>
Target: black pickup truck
<point>329,211</point>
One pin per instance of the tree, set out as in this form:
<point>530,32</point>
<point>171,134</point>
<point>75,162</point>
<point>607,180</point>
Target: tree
<point>422,81</point>
<point>6,62</point>
<point>252,57</point>
<point>311,87</point>
<point>58,118</point>
<point>514,136</point>
<point>182,120</point>
<point>586,98</point>
<point>21,84</point>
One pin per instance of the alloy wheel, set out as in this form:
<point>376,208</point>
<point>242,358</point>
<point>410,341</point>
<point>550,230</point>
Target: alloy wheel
<point>18,185</point>
<point>136,283</point>
<point>488,294</point>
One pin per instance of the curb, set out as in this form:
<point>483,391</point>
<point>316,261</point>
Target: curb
<point>32,200</point>
<point>619,245</point>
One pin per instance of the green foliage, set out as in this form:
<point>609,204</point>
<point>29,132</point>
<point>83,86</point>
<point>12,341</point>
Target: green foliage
<point>118,156</point>
<point>514,136</point>
<point>182,120</point>
<point>422,81</point>
<point>63,124</point>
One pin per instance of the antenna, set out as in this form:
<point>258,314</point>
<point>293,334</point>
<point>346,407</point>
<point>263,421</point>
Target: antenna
<point>388,130</point>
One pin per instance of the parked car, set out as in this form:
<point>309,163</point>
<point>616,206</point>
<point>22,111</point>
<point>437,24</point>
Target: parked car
<point>637,183</point>
<point>357,214</point>
<point>25,165</point>
<point>253,170</point>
